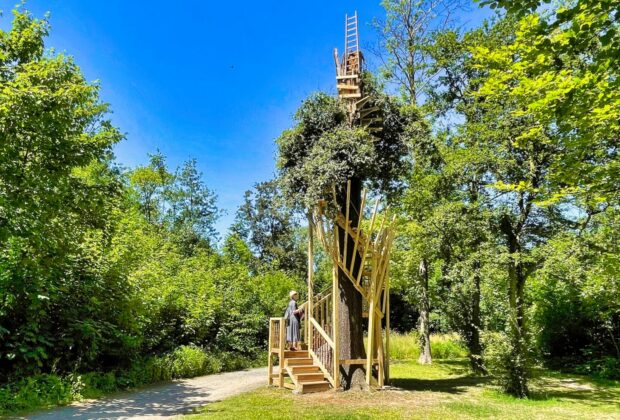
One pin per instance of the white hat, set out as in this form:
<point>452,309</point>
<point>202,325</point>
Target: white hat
<point>292,293</point>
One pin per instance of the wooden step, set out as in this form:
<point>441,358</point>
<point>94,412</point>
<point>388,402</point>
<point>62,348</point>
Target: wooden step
<point>296,370</point>
<point>295,354</point>
<point>310,377</point>
<point>300,361</point>
<point>319,386</point>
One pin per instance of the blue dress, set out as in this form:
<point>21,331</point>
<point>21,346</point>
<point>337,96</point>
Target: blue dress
<point>292,325</point>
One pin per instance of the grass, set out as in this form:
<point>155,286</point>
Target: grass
<point>444,390</point>
<point>443,346</point>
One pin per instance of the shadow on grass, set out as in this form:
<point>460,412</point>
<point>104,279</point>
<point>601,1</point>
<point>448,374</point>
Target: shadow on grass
<point>449,385</point>
<point>578,389</point>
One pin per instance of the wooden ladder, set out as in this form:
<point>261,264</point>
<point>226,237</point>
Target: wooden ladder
<point>351,46</point>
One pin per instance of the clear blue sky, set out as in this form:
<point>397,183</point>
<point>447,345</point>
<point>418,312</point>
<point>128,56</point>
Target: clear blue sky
<point>217,81</point>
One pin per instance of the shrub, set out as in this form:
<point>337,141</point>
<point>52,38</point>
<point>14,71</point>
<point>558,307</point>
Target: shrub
<point>604,368</point>
<point>52,390</point>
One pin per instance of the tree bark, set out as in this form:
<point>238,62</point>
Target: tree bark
<point>351,326</point>
<point>425,336</point>
<point>517,371</point>
<point>474,344</point>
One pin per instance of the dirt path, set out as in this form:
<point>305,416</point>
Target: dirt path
<point>165,400</point>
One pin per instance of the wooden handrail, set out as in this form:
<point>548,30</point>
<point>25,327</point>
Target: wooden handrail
<point>322,332</point>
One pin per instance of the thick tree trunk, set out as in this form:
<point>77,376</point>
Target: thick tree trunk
<point>424,328</point>
<point>351,326</point>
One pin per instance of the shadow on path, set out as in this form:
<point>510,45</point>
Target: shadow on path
<point>162,401</point>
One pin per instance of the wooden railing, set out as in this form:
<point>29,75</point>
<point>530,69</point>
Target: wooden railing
<point>277,345</point>
<point>320,332</point>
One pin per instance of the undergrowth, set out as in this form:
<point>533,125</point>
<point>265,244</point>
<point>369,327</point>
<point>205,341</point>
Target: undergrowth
<point>48,390</point>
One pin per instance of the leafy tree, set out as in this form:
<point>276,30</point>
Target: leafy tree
<point>192,207</point>
<point>269,226</point>
<point>55,145</point>
<point>151,182</point>
<point>563,68</point>
<point>404,37</point>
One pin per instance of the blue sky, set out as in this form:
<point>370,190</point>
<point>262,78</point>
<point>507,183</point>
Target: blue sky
<point>217,81</point>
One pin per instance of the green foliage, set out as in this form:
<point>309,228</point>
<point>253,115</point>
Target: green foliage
<point>47,390</point>
<point>56,193</point>
<point>270,227</point>
<point>322,150</point>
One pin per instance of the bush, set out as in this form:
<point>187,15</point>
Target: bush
<point>604,368</point>
<point>501,361</point>
<point>39,391</point>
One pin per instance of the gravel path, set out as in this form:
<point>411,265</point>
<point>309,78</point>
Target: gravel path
<point>165,400</point>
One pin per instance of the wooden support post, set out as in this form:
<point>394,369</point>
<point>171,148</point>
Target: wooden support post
<point>346,225</point>
<point>371,339</point>
<point>335,328</point>
<point>310,305</point>
<point>380,354</point>
<point>387,325</point>
<point>372,223</point>
<point>359,230</point>
<point>270,355</point>
<point>281,352</point>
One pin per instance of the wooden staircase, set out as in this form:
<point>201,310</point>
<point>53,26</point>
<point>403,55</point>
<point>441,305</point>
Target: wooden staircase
<point>298,370</point>
<point>305,374</point>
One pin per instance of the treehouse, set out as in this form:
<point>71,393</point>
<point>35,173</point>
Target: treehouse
<point>359,249</point>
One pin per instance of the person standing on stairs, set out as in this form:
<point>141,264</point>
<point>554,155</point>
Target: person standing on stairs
<point>293,317</point>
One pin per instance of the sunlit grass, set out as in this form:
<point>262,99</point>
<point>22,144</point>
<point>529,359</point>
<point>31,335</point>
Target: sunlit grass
<point>443,346</point>
<point>443,390</point>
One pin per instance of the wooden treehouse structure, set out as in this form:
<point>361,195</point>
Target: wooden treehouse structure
<point>363,258</point>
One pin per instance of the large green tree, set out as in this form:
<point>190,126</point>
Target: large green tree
<point>55,144</point>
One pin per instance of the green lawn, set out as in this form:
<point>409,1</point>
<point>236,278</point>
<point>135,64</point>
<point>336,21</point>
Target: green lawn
<point>444,391</point>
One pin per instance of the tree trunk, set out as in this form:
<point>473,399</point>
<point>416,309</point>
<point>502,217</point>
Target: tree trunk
<point>475,347</point>
<point>425,336</point>
<point>351,326</point>
<point>517,371</point>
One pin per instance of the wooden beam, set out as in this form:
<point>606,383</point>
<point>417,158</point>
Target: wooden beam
<point>310,308</point>
<point>359,230</point>
<point>346,223</point>
<point>367,111</point>
<point>351,95</point>
<point>281,354</point>
<point>371,338</point>
<point>372,223</point>
<point>387,326</point>
<point>347,87</point>
<point>269,355</point>
<point>336,327</point>
<point>357,361</point>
